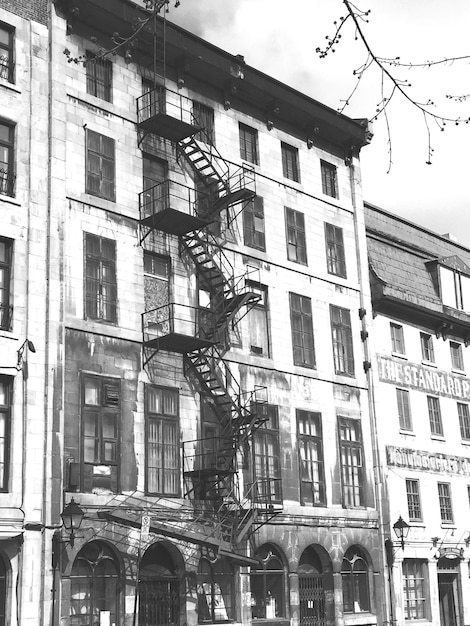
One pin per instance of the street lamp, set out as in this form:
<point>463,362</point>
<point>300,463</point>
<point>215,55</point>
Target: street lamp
<point>401,530</point>
<point>72,517</point>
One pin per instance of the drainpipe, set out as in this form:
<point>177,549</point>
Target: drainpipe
<point>364,280</point>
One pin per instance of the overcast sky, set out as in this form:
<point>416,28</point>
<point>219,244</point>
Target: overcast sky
<point>280,38</point>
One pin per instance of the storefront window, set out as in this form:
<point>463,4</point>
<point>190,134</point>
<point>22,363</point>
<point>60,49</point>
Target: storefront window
<point>268,585</point>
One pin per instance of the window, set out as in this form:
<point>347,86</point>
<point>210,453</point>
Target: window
<point>295,231</point>
<point>341,334</point>
<point>355,581</point>
<point>329,179</point>
<point>5,417</point>
<point>414,501</point>
<point>290,162</point>
<point>455,288</point>
<point>445,502</point>
<point>248,144</point>
<point>266,455</point>
<point>312,469</point>
<point>267,583</point>
<point>456,356</point>
<point>99,74</point>
<point>253,224</point>
<point>464,420</point>
<point>6,53</point>
<point>7,174</point>
<point>94,586</point>
<point>352,466</point>
<point>404,411</point>
<point>435,420</point>
<point>398,341</point>
<point>215,591</point>
<point>335,259</point>
<point>302,330</point>
<point>258,328</point>
<point>6,247</point>
<point>163,442</point>
<point>3,591</point>
<point>100,278</point>
<point>204,119</point>
<point>99,165</point>
<point>414,588</point>
<point>427,348</point>
<point>100,433</point>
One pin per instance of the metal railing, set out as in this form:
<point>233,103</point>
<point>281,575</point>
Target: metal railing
<point>176,319</point>
<point>170,195</point>
<point>162,101</point>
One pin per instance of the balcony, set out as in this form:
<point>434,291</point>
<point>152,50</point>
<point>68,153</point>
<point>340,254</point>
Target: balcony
<point>178,328</point>
<point>166,113</point>
<point>172,208</point>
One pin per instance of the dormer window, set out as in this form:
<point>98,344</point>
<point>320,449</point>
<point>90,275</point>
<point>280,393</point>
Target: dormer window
<point>451,277</point>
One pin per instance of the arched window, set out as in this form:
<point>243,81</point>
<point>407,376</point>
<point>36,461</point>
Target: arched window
<point>3,590</point>
<point>94,594</point>
<point>158,588</point>
<point>268,585</point>
<point>214,591</point>
<point>311,589</point>
<point>355,577</point>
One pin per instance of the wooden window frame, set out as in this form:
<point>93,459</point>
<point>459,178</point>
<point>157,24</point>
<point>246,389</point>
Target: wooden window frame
<point>6,265</point>
<point>404,409</point>
<point>290,162</point>
<point>253,224</point>
<point>445,502</point>
<point>267,467</point>
<point>108,406</point>
<point>7,61</point>
<point>167,420</point>
<point>204,117</point>
<point>415,589</point>
<point>99,76</point>
<point>311,420</point>
<point>456,356</point>
<point>98,183</point>
<point>249,150</point>
<point>7,166</point>
<point>5,416</point>
<point>352,474</point>
<point>413,498</point>
<point>329,179</point>
<point>397,338</point>
<point>342,340</point>
<point>302,331</point>
<point>427,347</point>
<point>97,302</point>
<point>335,254</point>
<point>435,416</point>
<point>463,411</point>
<point>296,239</point>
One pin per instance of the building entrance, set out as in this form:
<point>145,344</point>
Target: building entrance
<point>448,584</point>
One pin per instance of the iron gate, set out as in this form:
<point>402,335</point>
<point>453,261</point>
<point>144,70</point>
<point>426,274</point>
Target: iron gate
<point>312,601</point>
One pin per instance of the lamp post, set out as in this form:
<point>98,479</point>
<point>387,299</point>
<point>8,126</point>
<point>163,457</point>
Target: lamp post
<point>72,517</point>
<point>401,530</point>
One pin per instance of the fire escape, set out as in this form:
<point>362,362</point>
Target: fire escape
<point>202,334</point>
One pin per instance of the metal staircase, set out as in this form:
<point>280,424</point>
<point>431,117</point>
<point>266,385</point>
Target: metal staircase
<point>212,480</point>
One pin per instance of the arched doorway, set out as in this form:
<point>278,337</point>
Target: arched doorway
<point>159,590</point>
<point>94,587</point>
<point>311,589</point>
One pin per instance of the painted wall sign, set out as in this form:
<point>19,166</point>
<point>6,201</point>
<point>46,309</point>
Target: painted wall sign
<point>429,461</point>
<point>423,378</point>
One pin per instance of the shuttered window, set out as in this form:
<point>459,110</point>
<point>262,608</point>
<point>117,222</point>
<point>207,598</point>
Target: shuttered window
<point>312,475</point>
<point>341,334</point>
<point>302,330</point>
<point>100,278</point>
<point>99,73</point>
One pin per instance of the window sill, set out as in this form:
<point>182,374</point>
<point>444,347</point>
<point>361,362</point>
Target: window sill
<point>429,363</point>
<point>9,199</point>
<point>399,355</point>
<point>360,618</point>
<point>408,433</point>
<point>454,370</point>
<point>10,86</point>
<point>438,438</point>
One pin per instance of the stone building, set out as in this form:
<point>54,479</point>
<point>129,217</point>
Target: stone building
<point>420,287</point>
<point>196,308</point>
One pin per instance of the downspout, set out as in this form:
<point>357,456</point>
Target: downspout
<point>47,329</point>
<point>371,395</point>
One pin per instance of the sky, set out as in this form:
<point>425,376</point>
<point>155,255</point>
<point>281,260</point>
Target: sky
<point>280,38</point>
